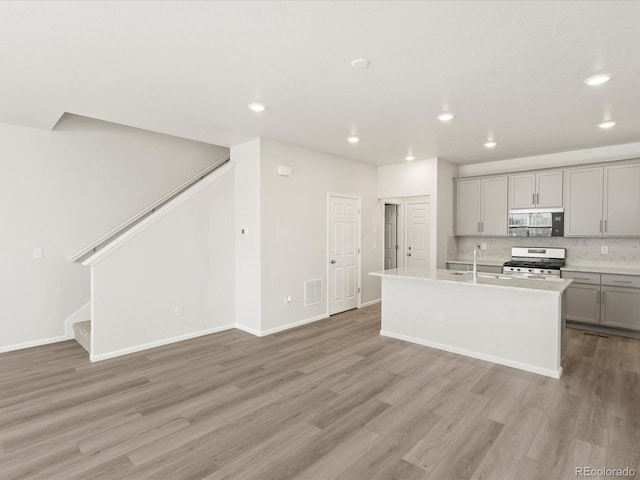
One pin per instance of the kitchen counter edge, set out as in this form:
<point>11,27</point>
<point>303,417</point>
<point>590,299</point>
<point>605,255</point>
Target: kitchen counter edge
<point>439,275</point>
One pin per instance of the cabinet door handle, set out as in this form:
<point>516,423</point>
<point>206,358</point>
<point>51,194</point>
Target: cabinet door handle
<point>537,198</point>
<point>603,297</point>
<point>600,226</point>
<point>622,281</point>
<point>598,297</point>
<point>605,226</point>
<point>533,198</point>
<point>581,278</point>
<point>478,227</point>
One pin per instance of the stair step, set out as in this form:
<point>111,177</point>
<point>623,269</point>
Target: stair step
<point>82,333</point>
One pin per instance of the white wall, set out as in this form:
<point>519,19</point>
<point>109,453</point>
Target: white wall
<point>431,178</point>
<point>62,189</point>
<point>181,257</point>
<point>294,228</point>
<point>445,208</point>
<point>246,158</point>
<point>409,179</point>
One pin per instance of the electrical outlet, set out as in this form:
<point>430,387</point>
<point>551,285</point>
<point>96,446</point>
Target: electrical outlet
<point>604,250</point>
<point>37,253</point>
<point>287,300</point>
<point>484,246</point>
<point>178,310</point>
<point>375,244</point>
<point>439,316</point>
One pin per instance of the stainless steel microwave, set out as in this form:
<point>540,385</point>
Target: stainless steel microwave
<point>536,222</point>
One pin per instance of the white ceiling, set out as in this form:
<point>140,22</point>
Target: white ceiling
<point>510,70</point>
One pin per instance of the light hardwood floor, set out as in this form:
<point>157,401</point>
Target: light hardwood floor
<point>332,400</point>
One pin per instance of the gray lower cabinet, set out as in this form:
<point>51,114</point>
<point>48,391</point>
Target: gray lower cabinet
<point>620,307</point>
<point>582,303</point>
<point>608,300</point>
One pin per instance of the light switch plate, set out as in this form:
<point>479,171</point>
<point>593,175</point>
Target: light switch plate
<point>37,253</point>
<point>484,246</point>
<point>178,310</point>
<point>604,250</point>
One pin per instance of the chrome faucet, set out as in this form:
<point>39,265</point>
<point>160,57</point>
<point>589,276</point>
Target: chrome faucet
<point>477,250</point>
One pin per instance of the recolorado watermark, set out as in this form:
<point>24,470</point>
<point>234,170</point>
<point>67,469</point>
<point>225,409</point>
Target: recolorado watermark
<point>605,472</point>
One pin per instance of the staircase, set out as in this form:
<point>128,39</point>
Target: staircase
<point>86,253</point>
<point>82,334</point>
<point>82,330</point>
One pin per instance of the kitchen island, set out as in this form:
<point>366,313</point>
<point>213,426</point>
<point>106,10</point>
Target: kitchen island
<point>510,321</point>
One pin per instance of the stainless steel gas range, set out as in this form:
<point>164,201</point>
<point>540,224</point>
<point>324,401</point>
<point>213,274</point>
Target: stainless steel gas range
<point>535,262</point>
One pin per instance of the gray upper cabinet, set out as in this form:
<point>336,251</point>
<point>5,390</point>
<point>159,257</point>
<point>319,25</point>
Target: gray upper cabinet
<point>602,201</point>
<point>536,190</point>
<point>481,206</point>
<point>494,206</point>
<point>583,202</point>
<point>468,198</point>
<point>621,207</point>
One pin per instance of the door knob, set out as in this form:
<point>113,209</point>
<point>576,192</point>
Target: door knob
<point>333,261</point>
<point>409,254</point>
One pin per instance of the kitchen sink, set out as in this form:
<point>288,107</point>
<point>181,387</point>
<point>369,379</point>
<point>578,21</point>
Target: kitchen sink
<point>484,275</point>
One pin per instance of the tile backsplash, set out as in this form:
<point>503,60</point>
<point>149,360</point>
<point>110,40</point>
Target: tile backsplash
<point>623,252</point>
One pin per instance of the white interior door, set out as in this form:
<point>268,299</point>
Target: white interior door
<point>417,228</point>
<point>390,236</point>
<point>343,254</point>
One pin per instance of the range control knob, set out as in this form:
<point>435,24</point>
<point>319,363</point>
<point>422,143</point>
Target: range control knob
<point>531,269</point>
<point>518,269</point>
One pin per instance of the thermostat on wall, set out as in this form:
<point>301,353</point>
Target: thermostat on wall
<point>284,171</point>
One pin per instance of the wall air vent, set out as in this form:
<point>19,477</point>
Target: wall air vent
<point>312,292</point>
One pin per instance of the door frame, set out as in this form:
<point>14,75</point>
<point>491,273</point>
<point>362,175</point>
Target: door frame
<point>398,202</point>
<point>359,245</point>
<point>402,203</point>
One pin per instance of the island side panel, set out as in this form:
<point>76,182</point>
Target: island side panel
<point>520,328</point>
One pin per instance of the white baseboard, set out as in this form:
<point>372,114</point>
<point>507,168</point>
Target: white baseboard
<point>80,315</point>
<point>34,343</point>
<point>244,328</point>
<point>368,304</point>
<point>480,356</point>
<point>294,324</point>
<point>159,343</point>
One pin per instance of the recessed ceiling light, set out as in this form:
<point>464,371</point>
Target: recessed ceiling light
<point>257,107</point>
<point>409,158</point>
<point>598,79</point>
<point>445,117</point>
<point>490,144</point>
<point>360,63</point>
<point>353,139</point>
<point>608,124</point>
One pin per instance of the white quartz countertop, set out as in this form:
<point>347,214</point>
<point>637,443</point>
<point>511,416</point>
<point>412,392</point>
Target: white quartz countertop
<point>484,279</point>
<point>488,263</point>
<point>614,270</point>
<point>602,269</point>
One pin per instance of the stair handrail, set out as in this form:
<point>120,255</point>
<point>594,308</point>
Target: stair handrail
<point>117,231</point>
